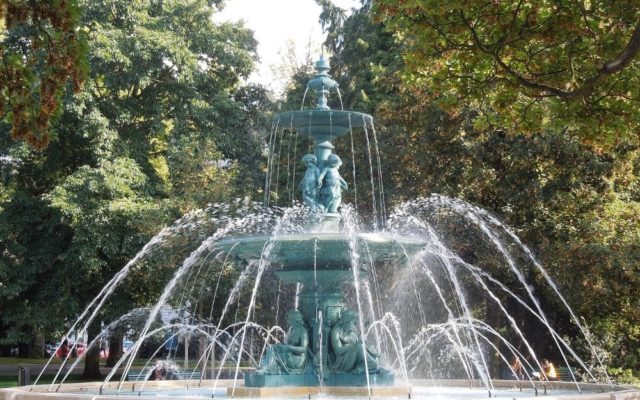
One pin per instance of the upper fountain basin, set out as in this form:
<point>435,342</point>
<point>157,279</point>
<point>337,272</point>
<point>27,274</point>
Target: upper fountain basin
<point>323,124</point>
<point>324,250</point>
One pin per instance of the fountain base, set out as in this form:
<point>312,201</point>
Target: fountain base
<point>253,380</point>
<point>308,391</point>
<point>420,389</point>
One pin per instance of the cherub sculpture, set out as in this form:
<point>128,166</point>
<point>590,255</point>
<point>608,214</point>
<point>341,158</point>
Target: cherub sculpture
<point>308,185</point>
<point>331,184</point>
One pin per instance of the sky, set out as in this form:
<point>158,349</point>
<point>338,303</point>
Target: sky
<point>274,23</point>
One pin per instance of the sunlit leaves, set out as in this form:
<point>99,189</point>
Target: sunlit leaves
<point>533,65</point>
<point>42,51</point>
<point>160,126</point>
<point>568,189</point>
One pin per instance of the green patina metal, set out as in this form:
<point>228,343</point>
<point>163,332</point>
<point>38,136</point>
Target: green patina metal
<point>332,249</point>
<point>322,344</point>
<point>322,83</point>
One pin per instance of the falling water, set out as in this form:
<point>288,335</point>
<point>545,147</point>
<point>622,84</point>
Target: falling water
<point>437,248</point>
<point>267,177</point>
<point>168,290</point>
<point>215,292</point>
<point>446,313</point>
<point>466,336</point>
<point>107,290</point>
<point>278,162</point>
<point>383,207</point>
<point>373,186</point>
<point>351,232</point>
<point>395,338</point>
<point>445,256</point>
<point>331,124</point>
<point>278,302</point>
<point>320,348</point>
<point>231,224</point>
<point>353,164</point>
<point>547,277</point>
<point>289,185</point>
<point>265,262</point>
<point>293,179</point>
<point>473,217</point>
<point>296,304</point>
<point>270,157</point>
<point>304,96</point>
<point>458,340</point>
<point>481,366</point>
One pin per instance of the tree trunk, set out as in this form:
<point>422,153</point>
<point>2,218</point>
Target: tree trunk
<point>35,347</point>
<point>38,345</point>
<point>92,356</point>
<point>115,349</point>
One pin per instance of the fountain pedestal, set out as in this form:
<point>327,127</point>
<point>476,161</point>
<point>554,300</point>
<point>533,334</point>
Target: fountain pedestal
<point>321,262</point>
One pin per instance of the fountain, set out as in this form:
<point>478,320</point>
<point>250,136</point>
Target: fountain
<point>321,260</point>
<point>359,323</point>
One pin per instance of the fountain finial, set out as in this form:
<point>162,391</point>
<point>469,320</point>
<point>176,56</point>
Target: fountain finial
<point>322,82</point>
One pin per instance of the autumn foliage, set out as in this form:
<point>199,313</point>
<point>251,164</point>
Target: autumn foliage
<point>42,51</point>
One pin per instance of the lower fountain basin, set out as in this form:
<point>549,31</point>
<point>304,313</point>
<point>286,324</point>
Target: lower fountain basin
<point>417,389</point>
<point>324,250</point>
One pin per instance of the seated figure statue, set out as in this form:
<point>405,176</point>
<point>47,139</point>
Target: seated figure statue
<point>331,184</point>
<point>348,349</point>
<point>290,357</point>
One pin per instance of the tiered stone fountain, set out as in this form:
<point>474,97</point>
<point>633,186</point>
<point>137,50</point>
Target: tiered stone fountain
<point>325,346</point>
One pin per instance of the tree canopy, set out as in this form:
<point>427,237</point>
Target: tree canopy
<point>527,66</point>
<point>42,51</point>
<point>162,125</point>
<point>572,198</point>
<point>527,109</point>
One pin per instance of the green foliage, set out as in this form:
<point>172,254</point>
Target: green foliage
<point>575,203</point>
<point>42,50</point>
<point>161,126</point>
<point>528,66</point>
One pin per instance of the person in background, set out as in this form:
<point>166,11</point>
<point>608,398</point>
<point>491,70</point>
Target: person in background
<point>518,369</point>
<point>548,372</point>
<point>103,347</point>
<point>159,373</point>
<point>63,350</point>
<point>163,371</point>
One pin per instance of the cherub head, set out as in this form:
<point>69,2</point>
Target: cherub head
<point>295,318</point>
<point>348,319</point>
<point>309,159</point>
<point>333,161</point>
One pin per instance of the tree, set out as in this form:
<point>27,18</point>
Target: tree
<point>528,66</point>
<point>42,51</point>
<point>161,126</point>
<point>575,205</point>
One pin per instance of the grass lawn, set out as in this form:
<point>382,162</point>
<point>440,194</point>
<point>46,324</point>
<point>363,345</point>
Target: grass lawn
<point>8,381</point>
<point>19,361</point>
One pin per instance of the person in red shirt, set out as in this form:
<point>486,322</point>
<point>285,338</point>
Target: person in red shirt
<point>63,350</point>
